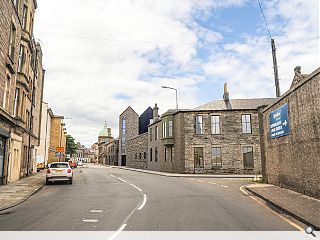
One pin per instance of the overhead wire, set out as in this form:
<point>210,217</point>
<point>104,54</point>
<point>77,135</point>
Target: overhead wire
<point>264,18</point>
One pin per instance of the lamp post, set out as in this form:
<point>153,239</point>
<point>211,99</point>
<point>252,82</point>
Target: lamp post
<point>176,94</point>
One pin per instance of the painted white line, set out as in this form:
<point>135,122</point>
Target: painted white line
<point>243,191</point>
<point>283,218</point>
<point>121,180</point>
<point>144,202</point>
<point>213,183</point>
<point>223,186</point>
<point>112,175</point>
<point>113,236</point>
<point>136,187</point>
<point>90,220</point>
<point>96,211</point>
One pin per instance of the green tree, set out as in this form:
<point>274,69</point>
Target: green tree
<point>71,145</point>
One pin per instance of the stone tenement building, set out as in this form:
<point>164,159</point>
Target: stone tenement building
<point>112,152</point>
<point>291,159</point>
<point>104,138</point>
<point>133,133</point>
<point>21,90</point>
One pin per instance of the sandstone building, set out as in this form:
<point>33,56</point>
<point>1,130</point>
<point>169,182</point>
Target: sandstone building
<point>112,152</point>
<point>103,139</point>
<point>57,140</point>
<point>21,85</point>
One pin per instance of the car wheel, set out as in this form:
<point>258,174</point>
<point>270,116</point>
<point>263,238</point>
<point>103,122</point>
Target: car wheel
<point>70,181</point>
<point>48,182</point>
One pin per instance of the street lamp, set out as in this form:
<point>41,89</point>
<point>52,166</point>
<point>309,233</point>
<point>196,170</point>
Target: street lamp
<point>176,94</point>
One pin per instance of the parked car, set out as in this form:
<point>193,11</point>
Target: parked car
<point>80,163</point>
<point>59,171</point>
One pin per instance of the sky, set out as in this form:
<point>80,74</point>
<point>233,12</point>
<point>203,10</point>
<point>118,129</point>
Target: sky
<point>102,56</point>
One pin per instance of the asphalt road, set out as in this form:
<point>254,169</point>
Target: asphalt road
<point>109,199</point>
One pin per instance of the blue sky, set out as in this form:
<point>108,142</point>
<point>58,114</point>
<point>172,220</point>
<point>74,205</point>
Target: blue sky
<point>123,51</point>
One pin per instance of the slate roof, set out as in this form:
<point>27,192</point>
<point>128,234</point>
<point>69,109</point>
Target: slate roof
<point>236,104</point>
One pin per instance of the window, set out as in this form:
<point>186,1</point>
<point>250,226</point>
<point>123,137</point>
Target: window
<point>156,154</point>
<point>136,156</point>
<point>248,157</point>
<point>165,154</point>
<point>164,129</point>
<point>168,154</point>
<point>123,136</point>
<point>21,58</point>
<point>144,155</point>
<point>140,155</point>
<point>16,3</point>
<point>216,157</point>
<point>12,43</point>
<point>246,123</point>
<point>28,119</point>
<point>199,124</point>
<point>198,157</point>
<point>156,133</point>
<point>150,134</point>
<point>150,154</point>
<point>170,128</point>
<point>24,17</point>
<point>6,94</point>
<point>215,124</point>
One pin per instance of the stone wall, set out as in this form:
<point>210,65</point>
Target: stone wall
<point>137,152</point>
<point>293,161</point>
<point>231,140</point>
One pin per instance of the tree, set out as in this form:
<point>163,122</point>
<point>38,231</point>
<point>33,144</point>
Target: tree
<point>71,145</point>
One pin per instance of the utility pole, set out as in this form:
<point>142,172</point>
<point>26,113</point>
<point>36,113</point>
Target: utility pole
<point>275,67</point>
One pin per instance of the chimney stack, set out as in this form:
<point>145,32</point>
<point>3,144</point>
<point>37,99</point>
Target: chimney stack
<point>155,113</point>
<point>226,93</point>
<point>226,96</point>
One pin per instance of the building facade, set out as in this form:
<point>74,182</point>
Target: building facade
<point>58,140</point>
<point>112,152</point>
<point>104,138</point>
<point>21,90</point>
<point>128,128</point>
<point>43,150</point>
<point>291,159</point>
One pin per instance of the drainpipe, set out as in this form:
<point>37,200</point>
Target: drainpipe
<point>31,111</point>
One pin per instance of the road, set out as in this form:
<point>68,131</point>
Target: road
<point>110,199</point>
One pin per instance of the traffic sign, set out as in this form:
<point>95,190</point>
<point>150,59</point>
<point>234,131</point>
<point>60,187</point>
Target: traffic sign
<point>60,149</point>
<point>279,122</point>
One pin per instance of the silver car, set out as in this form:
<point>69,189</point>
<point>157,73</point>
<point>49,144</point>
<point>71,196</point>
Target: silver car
<point>59,171</point>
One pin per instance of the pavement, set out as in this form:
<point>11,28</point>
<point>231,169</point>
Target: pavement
<point>114,199</point>
<point>189,175</point>
<point>19,191</point>
<point>303,208</point>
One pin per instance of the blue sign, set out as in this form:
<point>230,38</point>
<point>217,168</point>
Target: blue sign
<point>279,122</point>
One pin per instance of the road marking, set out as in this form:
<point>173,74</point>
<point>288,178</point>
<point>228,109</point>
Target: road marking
<point>112,176</point>
<point>223,185</point>
<point>113,236</point>
<point>121,180</point>
<point>144,202</point>
<point>90,220</point>
<point>96,211</point>
<point>243,191</point>
<point>283,218</point>
<point>136,187</point>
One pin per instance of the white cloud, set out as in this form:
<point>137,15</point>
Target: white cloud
<point>92,78</point>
